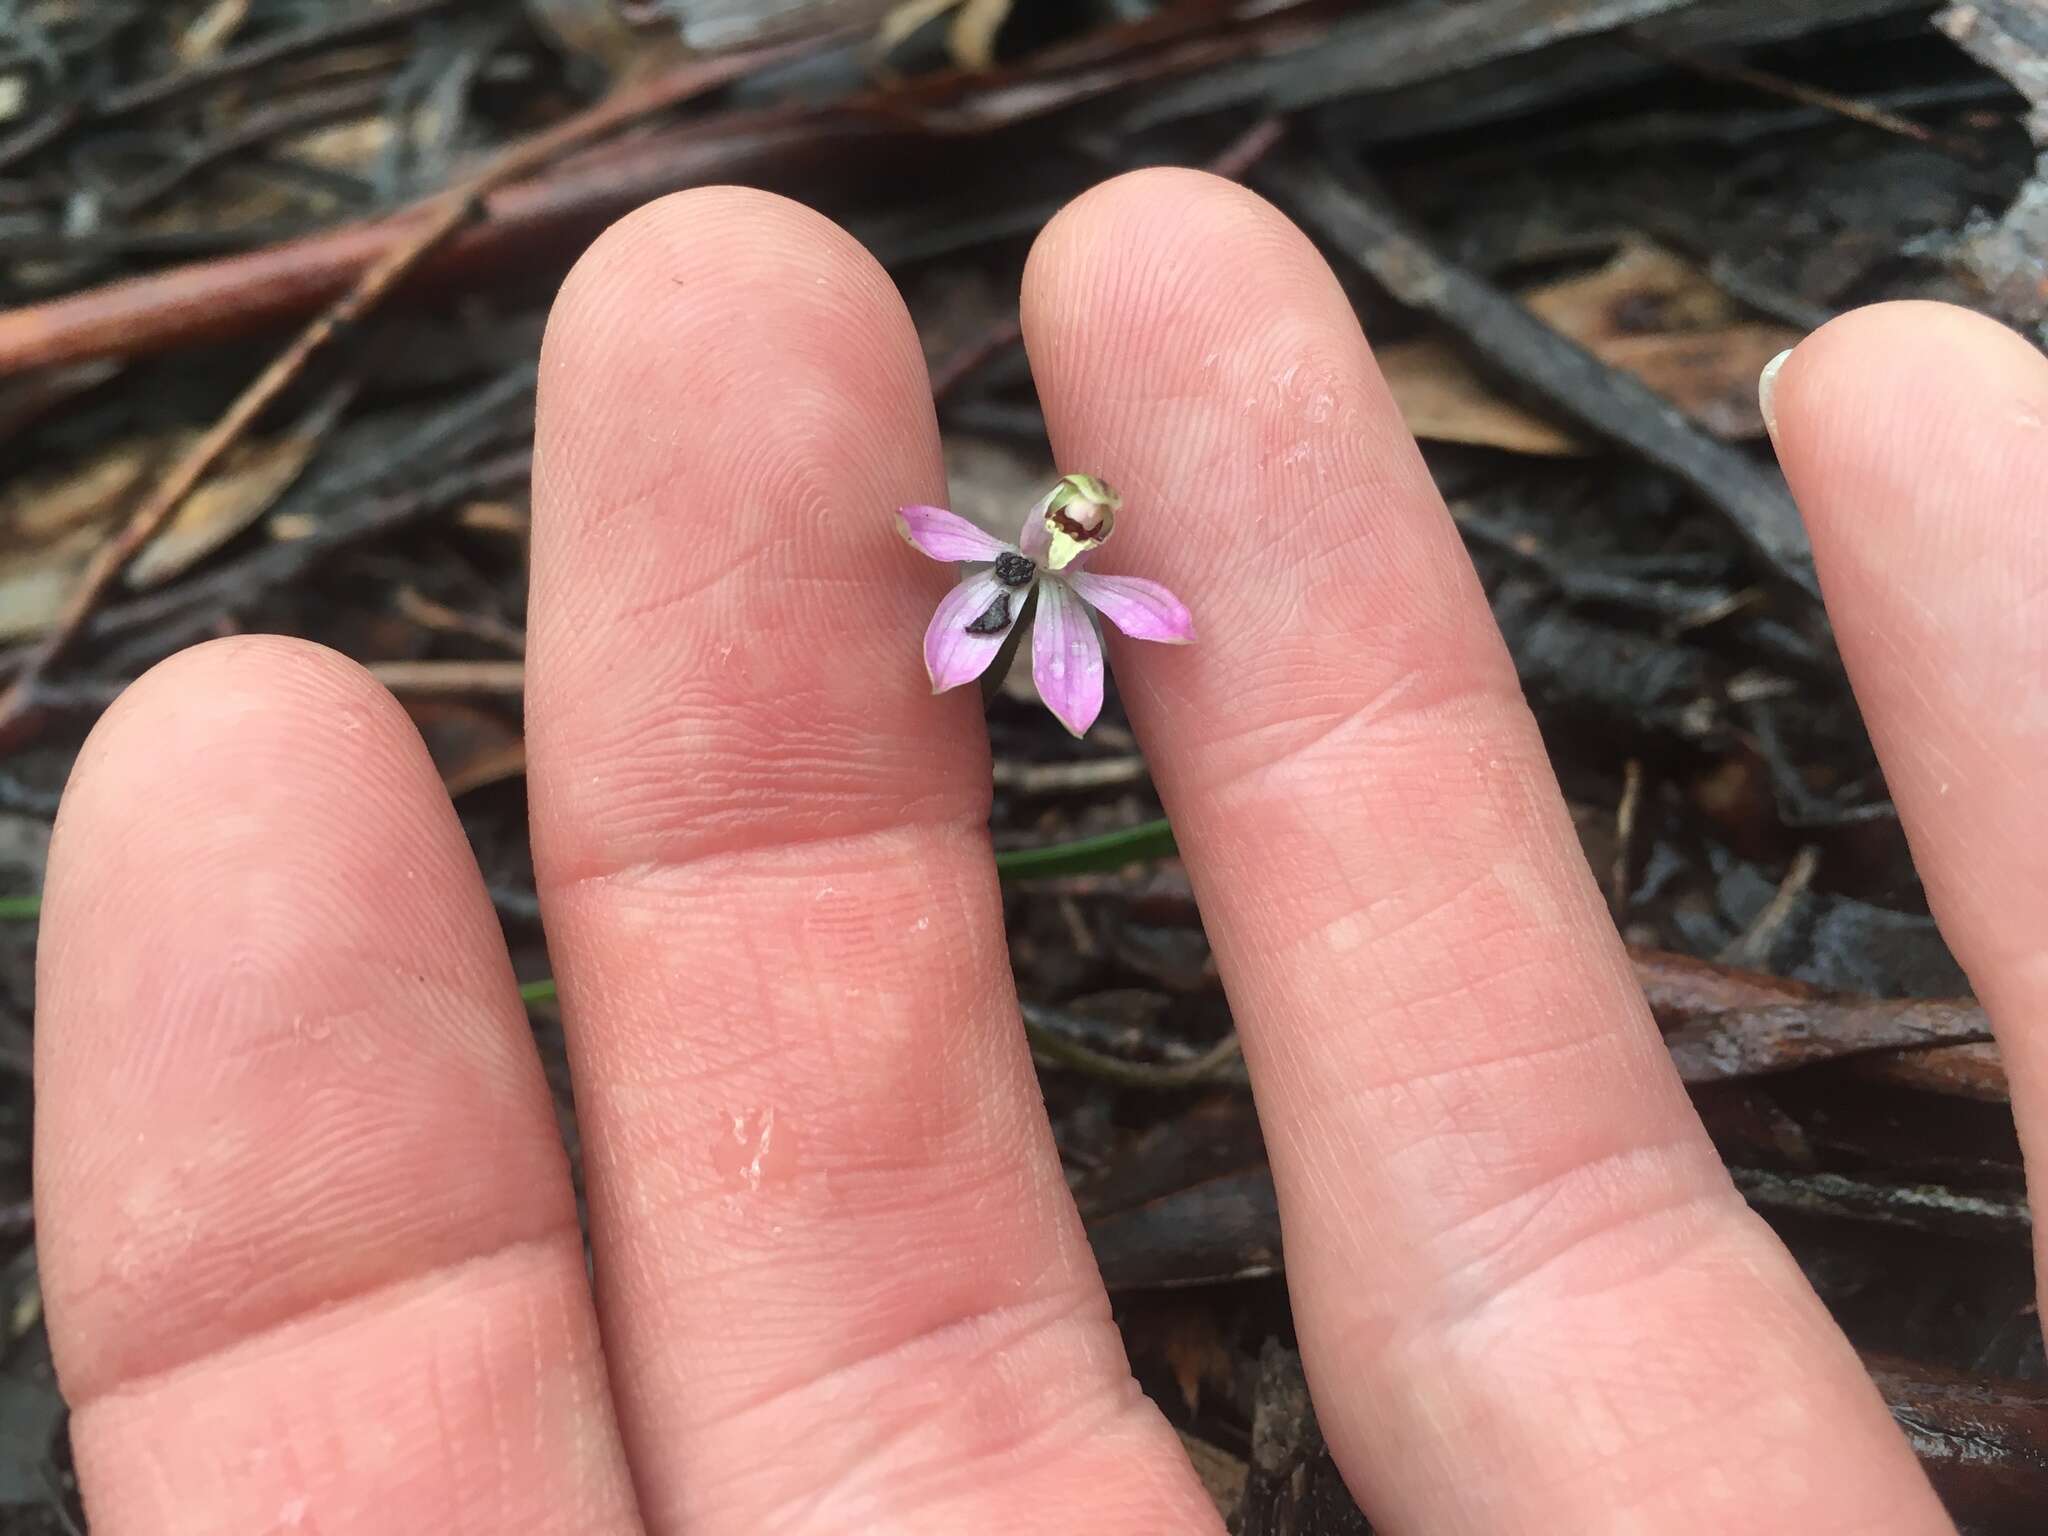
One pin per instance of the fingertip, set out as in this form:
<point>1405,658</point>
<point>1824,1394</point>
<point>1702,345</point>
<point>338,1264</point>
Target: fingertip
<point>733,406</point>
<point>1911,331</point>
<point>243,710</point>
<point>1160,262</point>
<point>1158,200</point>
<point>669,315</point>
<point>236,677</point>
<point>266,954</point>
<point>298,1179</point>
<point>1892,387</point>
<point>1915,436</point>
<point>700,233</point>
<point>210,747</point>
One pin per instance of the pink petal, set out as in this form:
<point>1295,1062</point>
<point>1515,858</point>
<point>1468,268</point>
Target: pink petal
<point>946,535</point>
<point>951,655</point>
<point>1066,657</point>
<point>1142,609</point>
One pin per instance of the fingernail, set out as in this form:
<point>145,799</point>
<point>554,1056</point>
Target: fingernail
<point>1765,383</point>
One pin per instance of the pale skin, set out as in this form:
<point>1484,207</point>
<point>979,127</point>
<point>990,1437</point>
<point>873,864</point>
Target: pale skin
<point>309,1249</point>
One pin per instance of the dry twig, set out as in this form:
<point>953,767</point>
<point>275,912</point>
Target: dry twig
<point>1811,96</point>
<point>1054,778</point>
<point>506,678</point>
<point>1364,226</point>
<point>446,213</point>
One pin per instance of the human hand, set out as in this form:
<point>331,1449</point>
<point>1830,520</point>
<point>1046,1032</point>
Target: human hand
<point>309,1248</point>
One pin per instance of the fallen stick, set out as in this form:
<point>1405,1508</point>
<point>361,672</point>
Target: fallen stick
<point>227,297</point>
<point>239,295</point>
<point>1932,1208</point>
<point>1688,996</point>
<point>1984,1442</point>
<point>1359,222</point>
<point>441,218</point>
<point>1720,1023</point>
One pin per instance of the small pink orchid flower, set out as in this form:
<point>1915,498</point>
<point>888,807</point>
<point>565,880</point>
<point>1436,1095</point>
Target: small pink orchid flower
<point>1044,574</point>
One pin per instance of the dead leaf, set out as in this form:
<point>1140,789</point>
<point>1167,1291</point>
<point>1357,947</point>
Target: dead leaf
<point>230,501</point>
<point>350,146</point>
<point>970,39</point>
<point>1657,316</point>
<point>35,586</point>
<point>1646,312</point>
<point>1195,1349</point>
<point>256,475</point>
<point>1710,376</point>
<point>1443,401</point>
<point>1643,290</point>
<point>38,509</point>
<point>906,18</point>
<point>210,30</point>
<point>51,523</point>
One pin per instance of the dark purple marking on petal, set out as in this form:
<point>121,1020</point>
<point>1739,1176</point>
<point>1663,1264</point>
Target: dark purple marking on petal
<point>993,620</point>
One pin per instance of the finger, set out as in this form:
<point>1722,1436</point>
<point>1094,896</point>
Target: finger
<point>305,1227</point>
<point>1529,1299</point>
<point>836,1258</point>
<point>1916,438</point>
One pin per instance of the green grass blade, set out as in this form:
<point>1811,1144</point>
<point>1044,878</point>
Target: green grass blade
<point>1112,850</point>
